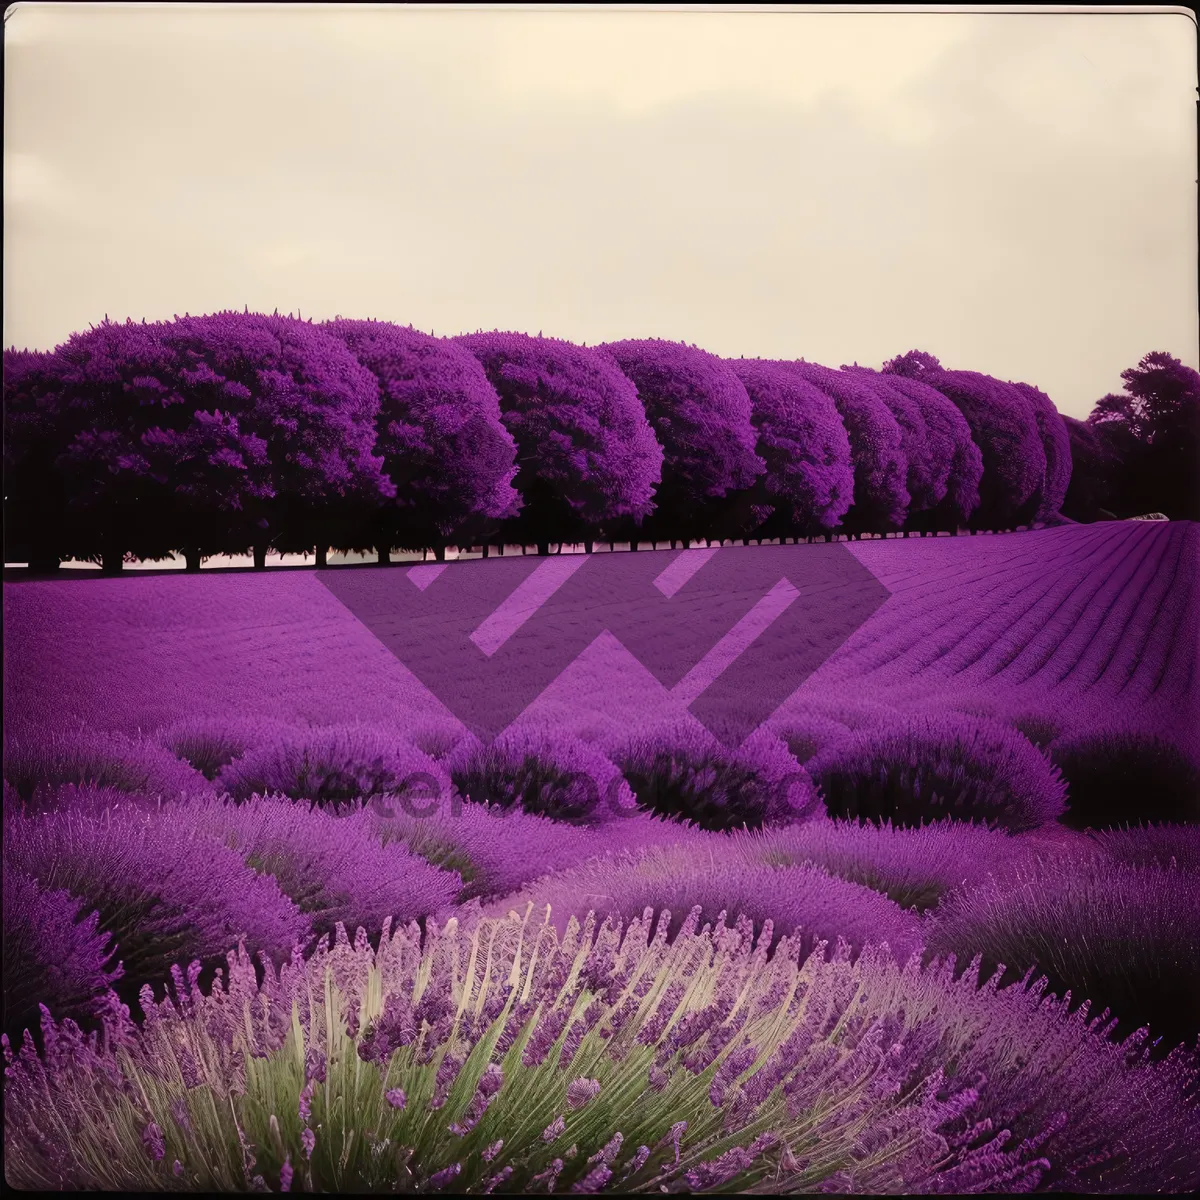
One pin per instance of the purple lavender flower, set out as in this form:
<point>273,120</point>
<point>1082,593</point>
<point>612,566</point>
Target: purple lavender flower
<point>582,1091</point>
<point>554,1130</point>
<point>152,1139</point>
<point>308,1140</point>
<point>332,867</point>
<point>396,1098</point>
<point>927,766</point>
<point>285,1175</point>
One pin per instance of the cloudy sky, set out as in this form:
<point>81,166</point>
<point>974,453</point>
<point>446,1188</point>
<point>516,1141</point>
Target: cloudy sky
<point>1015,193</point>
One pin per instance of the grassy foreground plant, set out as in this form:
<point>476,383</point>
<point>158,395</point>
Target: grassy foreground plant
<point>502,1058</point>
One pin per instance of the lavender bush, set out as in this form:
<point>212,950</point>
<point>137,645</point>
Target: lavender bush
<point>333,867</point>
<point>54,954</point>
<point>542,773</point>
<point>701,415</point>
<point>94,758</point>
<point>497,849</point>
<point>585,451</point>
<point>913,867</point>
<point>1124,937</point>
<point>803,900</point>
<point>440,435</point>
<point>809,480</point>
<point>686,773</point>
<point>928,766</point>
<point>334,763</point>
<point>211,743</point>
<point>1152,845</point>
<point>1105,768</point>
<point>881,496</point>
<point>161,891</point>
<point>349,1070</point>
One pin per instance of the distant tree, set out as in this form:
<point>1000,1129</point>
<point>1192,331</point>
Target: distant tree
<point>206,433</point>
<point>301,393</point>
<point>1096,464</point>
<point>953,464</point>
<point>809,481</point>
<point>440,433</point>
<point>1056,442</point>
<point>1155,424</point>
<point>1005,429</point>
<point>586,454</point>
<point>34,503</point>
<point>881,496</point>
<point>701,414</point>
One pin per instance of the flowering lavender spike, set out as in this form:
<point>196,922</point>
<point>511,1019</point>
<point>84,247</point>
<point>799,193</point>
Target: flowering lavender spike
<point>582,1091</point>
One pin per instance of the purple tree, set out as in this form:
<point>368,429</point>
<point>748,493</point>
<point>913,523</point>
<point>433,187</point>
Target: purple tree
<point>1056,442</point>
<point>809,481</point>
<point>881,496</point>
<point>1004,428</point>
<point>205,431</point>
<point>302,393</point>
<point>443,444</point>
<point>586,454</point>
<point>950,450</point>
<point>701,414</point>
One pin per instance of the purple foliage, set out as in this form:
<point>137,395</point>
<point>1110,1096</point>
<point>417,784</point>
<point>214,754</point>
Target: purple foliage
<point>929,766</point>
<point>1056,442</point>
<point>1124,937</point>
<point>541,772</point>
<point>1005,429</point>
<point>881,496</point>
<point>802,900</point>
<point>809,480</point>
<point>333,867</point>
<point>701,414</point>
<point>439,431</point>
<point>585,450</point>
<point>207,429</point>
<point>53,955</point>
<point>945,487</point>
<point>913,867</point>
<point>683,772</point>
<point>334,763</point>
<point>1152,845</point>
<point>162,891</point>
<point>210,743</point>
<point>496,850</point>
<point>50,759</point>
<point>1106,768</point>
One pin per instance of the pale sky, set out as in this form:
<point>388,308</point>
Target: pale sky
<point>1015,193</point>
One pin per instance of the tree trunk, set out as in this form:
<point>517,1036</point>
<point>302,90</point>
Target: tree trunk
<point>439,554</point>
<point>322,556</point>
<point>543,549</point>
<point>385,555</point>
<point>588,547</point>
<point>485,550</point>
<point>260,557</point>
<point>633,543</point>
<point>191,559</point>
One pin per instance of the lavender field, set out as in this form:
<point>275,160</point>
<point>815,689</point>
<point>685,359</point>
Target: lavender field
<point>866,866</point>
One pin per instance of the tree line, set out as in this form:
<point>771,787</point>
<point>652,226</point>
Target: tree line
<point>239,432</point>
